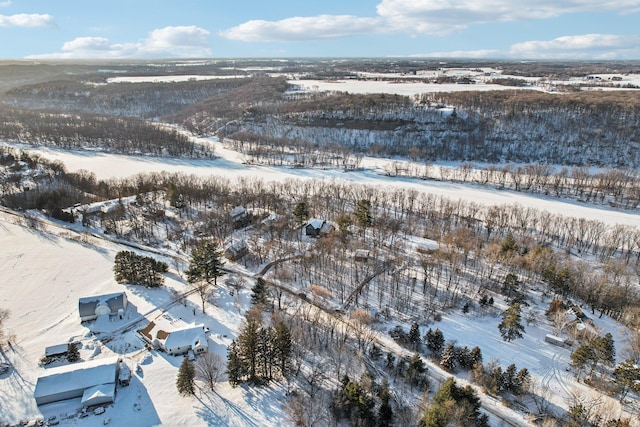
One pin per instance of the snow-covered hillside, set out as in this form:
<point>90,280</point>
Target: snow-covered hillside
<point>43,274</point>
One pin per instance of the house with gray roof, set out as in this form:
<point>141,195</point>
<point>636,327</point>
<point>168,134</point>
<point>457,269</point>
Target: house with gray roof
<point>91,308</point>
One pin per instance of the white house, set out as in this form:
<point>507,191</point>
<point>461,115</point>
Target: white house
<point>91,308</point>
<point>178,341</point>
<point>182,340</point>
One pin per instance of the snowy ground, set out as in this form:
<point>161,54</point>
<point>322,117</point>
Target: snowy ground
<point>43,273</point>
<point>231,165</point>
<point>408,88</point>
<point>167,79</point>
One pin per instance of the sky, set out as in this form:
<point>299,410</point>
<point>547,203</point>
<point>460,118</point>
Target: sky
<point>503,29</point>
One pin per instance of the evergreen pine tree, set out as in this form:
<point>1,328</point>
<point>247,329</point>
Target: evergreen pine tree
<point>582,357</point>
<point>448,359</point>
<point>73,355</point>
<point>301,212</point>
<point>509,377</point>
<point>627,377</point>
<point>454,405</point>
<point>464,358</point>
<point>401,367</point>
<point>391,360</point>
<point>249,344</point>
<point>186,377</point>
<point>363,215</point>
<point>374,352</point>
<point>235,371</point>
<point>259,292</point>
<point>204,268</point>
<point>497,384</point>
<point>605,349</point>
<point>522,382</point>
<point>483,300</point>
<point>511,326</point>
<point>266,353</point>
<point>415,370</point>
<point>385,412</point>
<point>475,356</point>
<point>414,336</point>
<point>435,342</point>
<point>282,346</point>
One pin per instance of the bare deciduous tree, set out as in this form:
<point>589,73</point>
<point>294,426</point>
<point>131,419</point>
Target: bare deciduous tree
<point>210,368</point>
<point>4,315</point>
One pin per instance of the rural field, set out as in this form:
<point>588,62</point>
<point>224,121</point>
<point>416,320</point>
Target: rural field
<point>323,233</point>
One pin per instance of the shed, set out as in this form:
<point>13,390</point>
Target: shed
<point>240,217</point>
<point>556,340</point>
<point>56,350</point>
<point>71,381</point>
<point>90,308</point>
<point>236,250</point>
<point>98,395</point>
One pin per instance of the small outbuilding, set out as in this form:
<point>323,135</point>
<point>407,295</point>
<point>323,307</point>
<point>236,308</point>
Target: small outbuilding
<point>556,340</point>
<point>56,350</point>
<point>90,308</point>
<point>99,395</point>
<point>240,217</point>
<point>236,250</point>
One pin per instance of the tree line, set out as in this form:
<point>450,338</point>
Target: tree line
<point>80,131</point>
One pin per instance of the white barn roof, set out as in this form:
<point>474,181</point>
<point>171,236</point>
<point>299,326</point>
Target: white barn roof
<point>70,381</point>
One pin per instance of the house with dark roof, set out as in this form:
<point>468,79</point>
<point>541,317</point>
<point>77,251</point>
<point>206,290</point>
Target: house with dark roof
<point>236,250</point>
<point>91,308</point>
<point>317,227</point>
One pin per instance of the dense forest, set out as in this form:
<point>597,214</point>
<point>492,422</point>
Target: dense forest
<point>573,128</point>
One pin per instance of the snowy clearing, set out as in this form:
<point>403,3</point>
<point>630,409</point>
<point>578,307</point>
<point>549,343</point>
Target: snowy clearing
<point>44,272</point>
<point>168,79</point>
<point>231,165</point>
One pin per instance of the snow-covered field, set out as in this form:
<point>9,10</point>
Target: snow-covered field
<point>230,164</point>
<point>408,88</point>
<point>167,79</point>
<point>43,273</point>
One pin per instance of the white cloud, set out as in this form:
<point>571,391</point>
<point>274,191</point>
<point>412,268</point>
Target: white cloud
<point>26,20</point>
<point>434,17</point>
<point>446,16</point>
<point>177,42</point>
<point>586,46</point>
<point>302,28</point>
<point>481,53</point>
<point>5,3</point>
